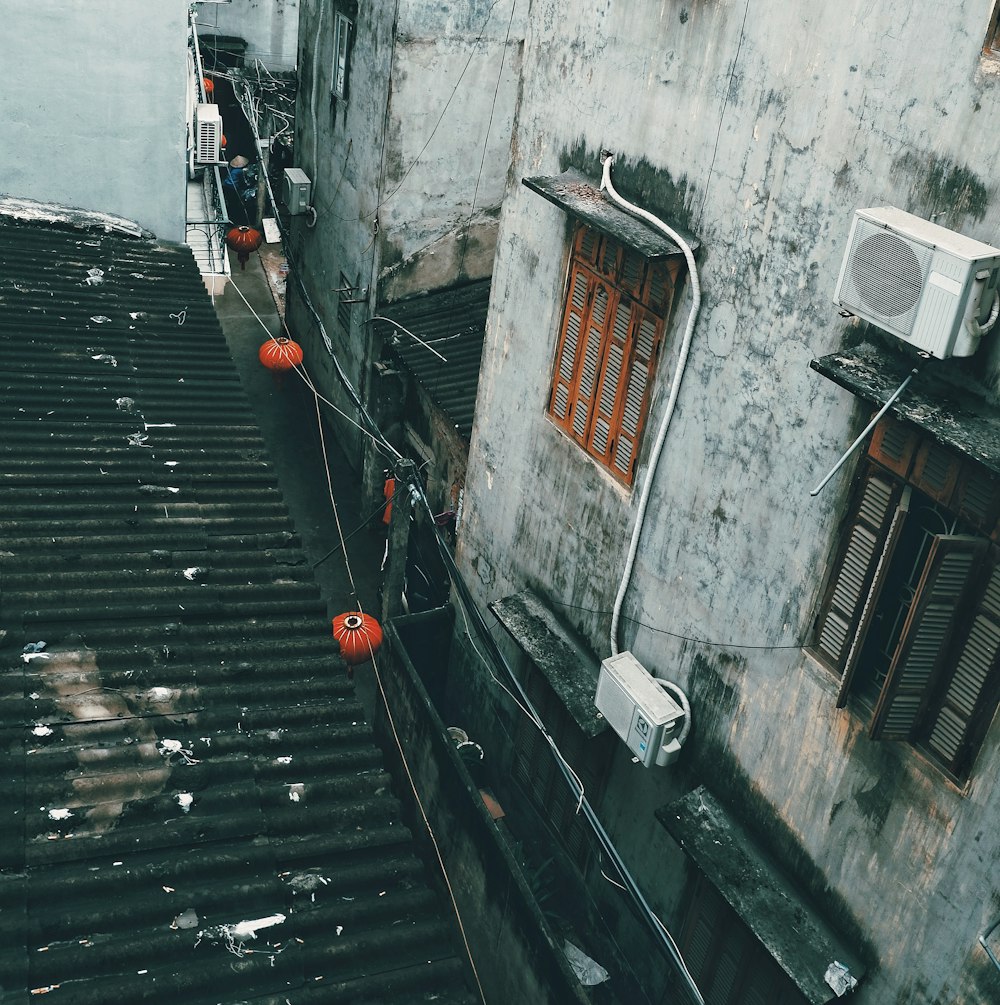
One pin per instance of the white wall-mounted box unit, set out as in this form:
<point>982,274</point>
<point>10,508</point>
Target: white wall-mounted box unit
<point>295,190</point>
<point>638,709</point>
<point>925,284</point>
<point>207,134</point>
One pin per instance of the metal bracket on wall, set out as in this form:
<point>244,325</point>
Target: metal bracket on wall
<point>982,939</point>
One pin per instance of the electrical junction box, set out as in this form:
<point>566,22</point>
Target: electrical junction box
<point>638,709</point>
<point>929,286</point>
<point>296,190</point>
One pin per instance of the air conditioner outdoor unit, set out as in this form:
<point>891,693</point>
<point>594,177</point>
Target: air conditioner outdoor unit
<point>638,709</point>
<point>929,286</point>
<point>207,134</point>
<point>295,190</point>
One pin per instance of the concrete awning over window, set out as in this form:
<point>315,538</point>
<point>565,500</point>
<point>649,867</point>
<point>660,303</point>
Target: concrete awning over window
<point>955,417</point>
<point>798,939</point>
<point>580,196</point>
<point>565,664</point>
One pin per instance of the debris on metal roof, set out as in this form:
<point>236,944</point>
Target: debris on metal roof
<point>192,807</point>
<point>453,323</point>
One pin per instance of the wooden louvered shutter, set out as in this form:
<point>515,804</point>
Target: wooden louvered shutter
<point>700,930</point>
<point>893,445</point>
<point>970,697</point>
<point>935,471</point>
<point>567,358</point>
<point>635,403</point>
<point>606,416</point>
<point>950,569</point>
<point>850,587</point>
<point>589,363</point>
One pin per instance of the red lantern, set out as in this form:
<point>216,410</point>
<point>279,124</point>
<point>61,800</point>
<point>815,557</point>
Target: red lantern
<point>359,635</point>
<point>244,241</point>
<point>209,86</point>
<point>280,354</point>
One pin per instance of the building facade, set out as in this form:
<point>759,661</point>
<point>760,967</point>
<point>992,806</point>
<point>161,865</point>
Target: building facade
<point>403,127</point>
<point>839,650</point>
<point>111,136</point>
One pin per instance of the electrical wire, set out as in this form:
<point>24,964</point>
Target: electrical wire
<point>468,605</point>
<point>486,139</point>
<point>685,638</point>
<point>389,716</point>
<point>654,923</point>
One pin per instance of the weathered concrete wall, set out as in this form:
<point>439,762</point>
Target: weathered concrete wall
<point>454,85</point>
<point>408,171</point>
<point>91,119</point>
<point>760,129</point>
<point>270,28</point>
<point>515,953</point>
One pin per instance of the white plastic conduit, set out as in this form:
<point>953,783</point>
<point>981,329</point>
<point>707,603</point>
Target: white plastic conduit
<point>671,403</point>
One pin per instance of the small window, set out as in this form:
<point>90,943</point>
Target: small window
<point>341,37</point>
<point>991,47</point>
<point>617,306</point>
<point>345,301</point>
<point>727,961</point>
<point>536,772</point>
<point>911,615</point>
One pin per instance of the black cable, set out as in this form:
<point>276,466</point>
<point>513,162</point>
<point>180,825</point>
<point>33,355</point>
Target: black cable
<point>357,530</point>
<point>676,635</point>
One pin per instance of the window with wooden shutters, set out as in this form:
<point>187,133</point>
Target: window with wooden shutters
<point>617,305</point>
<point>911,612</point>
<point>728,963</point>
<point>535,770</point>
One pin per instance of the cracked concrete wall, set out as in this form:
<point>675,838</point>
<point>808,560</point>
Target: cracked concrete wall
<point>91,120</point>
<point>759,127</point>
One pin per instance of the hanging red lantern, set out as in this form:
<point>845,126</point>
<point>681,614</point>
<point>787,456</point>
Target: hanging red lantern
<point>209,85</point>
<point>280,354</point>
<point>244,241</point>
<point>359,635</point>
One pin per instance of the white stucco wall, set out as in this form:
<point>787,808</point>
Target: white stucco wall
<point>760,127</point>
<point>93,105</point>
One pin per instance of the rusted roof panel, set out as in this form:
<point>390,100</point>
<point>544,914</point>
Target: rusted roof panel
<point>192,808</point>
<point>453,323</point>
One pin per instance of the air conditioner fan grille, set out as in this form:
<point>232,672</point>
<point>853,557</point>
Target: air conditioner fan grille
<point>887,274</point>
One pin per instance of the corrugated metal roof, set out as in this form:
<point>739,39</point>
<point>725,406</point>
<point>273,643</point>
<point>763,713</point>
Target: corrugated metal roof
<point>192,808</point>
<point>453,322</point>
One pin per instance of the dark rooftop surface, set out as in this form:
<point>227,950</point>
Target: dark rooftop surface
<point>794,934</point>
<point>957,418</point>
<point>580,196</point>
<point>192,808</point>
<point>453,322</point>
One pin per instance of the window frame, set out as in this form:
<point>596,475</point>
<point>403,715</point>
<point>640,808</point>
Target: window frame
<point>534,771</point>
<point>991,44</point>
<point>728,962</point>
<point>342,25</point>
<point>616,309</point>
<point>942,699</point>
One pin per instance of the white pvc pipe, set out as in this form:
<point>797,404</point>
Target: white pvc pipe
<point>674,389</point>
<point>682,700</point>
